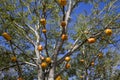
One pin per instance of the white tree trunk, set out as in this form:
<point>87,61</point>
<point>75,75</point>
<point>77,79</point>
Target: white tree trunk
<point>40,76</point>
<point>40,73</point>
<point>51,74</point>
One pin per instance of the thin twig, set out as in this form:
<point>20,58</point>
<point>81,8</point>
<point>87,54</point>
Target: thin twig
<point>30,63</point>
<point>19,69</point>
<point>10,66</point>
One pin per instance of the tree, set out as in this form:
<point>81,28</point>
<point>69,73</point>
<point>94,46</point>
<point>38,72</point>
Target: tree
<point>45,40</point>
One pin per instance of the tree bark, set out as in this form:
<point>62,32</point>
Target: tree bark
<point>51,74</point>
<point>38,61</point>
<point>40,75</point>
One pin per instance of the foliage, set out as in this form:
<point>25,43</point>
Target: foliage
<point>21,20</point>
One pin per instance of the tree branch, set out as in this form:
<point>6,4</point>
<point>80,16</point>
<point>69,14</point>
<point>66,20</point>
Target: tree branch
<point>78,46</point>
<point>23,52</point>
<point>10,67</point>
<point>17,63</point>
<point>46,49</point>
<point>27,37</point>
<point>30,63</point>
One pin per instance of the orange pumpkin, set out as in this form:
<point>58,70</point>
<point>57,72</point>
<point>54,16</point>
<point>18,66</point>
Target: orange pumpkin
<point>62,2</point>
<point>48,60</point>
<point>20,78</point>
<point>6,36</point>
<point>82,60</point>
<point>63,23</point>
<point>108,32</point>
<point>40,48</point>
<point>13,59</point>
<point>44,30</point>
<point>100,55</point>
<point>67,66</point>
<point>43,21</point>
<point>43,65</point>
<point>64,37</point>
<point>91,40</point>
<point>67,59</point>
<point>92,63</point>
<point>58,78</point>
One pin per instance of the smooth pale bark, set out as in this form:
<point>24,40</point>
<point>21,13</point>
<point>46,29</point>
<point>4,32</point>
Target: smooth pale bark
<point>38,61</point>
<point>51,74</point>
<point>40,77</point>
<point>40,73</point>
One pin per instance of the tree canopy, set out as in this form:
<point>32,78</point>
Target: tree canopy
<point>59,39</point>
